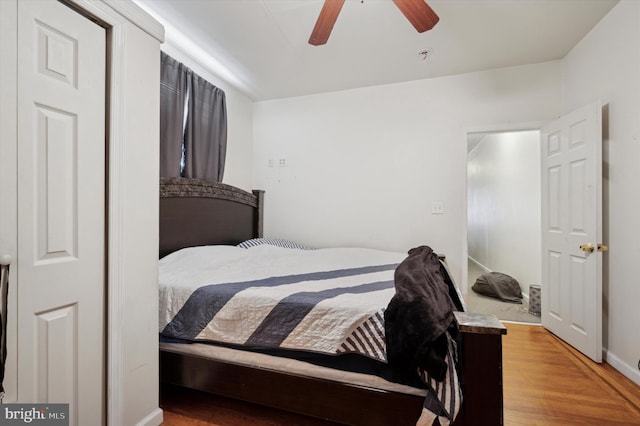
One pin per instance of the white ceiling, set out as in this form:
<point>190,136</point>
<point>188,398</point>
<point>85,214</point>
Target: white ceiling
<point>263,43</point>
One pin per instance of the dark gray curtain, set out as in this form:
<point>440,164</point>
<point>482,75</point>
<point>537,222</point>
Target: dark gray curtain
<point>205,138</point>
<point>173,94</point>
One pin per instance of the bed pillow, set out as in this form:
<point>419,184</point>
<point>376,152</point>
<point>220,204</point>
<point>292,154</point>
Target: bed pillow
<point>277,242</point>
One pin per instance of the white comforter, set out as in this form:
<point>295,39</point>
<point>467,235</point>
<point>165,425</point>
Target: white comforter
<point>342,298</point>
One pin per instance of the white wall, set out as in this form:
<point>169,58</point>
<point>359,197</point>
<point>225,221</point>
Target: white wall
<point>365,165</point>
<point>237,170</point>
<point>606,66</point>
<point>503,205</point>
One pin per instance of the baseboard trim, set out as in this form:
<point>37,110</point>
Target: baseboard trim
<point>154,418</point>
<point>625,369</point>
<point>479,265</point>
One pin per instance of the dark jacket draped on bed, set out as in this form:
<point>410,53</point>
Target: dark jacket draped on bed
<point>418,316</point>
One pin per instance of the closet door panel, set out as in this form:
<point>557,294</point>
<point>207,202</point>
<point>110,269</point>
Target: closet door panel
<point>61,209</point>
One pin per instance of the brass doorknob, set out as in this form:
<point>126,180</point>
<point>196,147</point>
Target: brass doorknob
<point>587,248</point>
<point>590,248</point>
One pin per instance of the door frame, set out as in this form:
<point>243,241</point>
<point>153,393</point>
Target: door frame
<point>495,128</point>
<point>116,17</point>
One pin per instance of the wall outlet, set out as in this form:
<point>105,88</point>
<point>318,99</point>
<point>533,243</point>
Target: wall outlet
<point>437,207</point>
<point>282,162</point>
<point>270,162</point>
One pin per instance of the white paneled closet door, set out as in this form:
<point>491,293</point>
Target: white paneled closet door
<point>61,209</point>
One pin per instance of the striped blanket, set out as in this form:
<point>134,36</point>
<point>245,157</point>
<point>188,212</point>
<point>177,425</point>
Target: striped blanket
<point>328,301</point>
<point>325,301</point>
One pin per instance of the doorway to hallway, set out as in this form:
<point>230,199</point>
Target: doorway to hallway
<point>503,216</point>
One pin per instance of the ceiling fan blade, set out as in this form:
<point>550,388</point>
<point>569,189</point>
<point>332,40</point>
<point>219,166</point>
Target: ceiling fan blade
<point>326,20</point>
<point>419,13</point>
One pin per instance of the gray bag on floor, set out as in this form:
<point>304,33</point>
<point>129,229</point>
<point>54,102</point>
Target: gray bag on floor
<point>498,285</point>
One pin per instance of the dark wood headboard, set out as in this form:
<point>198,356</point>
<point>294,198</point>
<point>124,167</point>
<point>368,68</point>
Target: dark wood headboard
<point>194,212</point>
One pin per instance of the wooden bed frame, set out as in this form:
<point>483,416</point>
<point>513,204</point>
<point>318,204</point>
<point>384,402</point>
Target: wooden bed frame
<point>195,213</point>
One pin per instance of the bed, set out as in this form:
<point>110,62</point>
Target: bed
<point>217,216</point>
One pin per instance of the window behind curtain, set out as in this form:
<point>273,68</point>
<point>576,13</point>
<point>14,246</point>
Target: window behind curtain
<point>193,124</point>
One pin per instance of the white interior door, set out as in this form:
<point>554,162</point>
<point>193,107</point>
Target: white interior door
<point>61,209</point>
<point>571,157</point>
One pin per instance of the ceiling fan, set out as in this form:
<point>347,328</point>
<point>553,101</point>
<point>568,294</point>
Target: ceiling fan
<point>421,16</point>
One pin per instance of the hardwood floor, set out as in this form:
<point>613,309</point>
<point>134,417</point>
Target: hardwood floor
<point>546,382</point>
